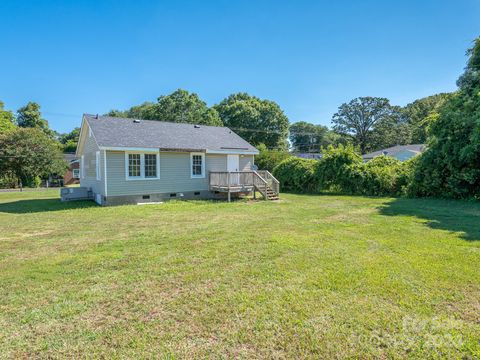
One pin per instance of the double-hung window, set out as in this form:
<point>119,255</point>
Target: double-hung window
<point>197,164</point>
<point>134,165</point>
<point>142,166</point>
<point>151,165</point>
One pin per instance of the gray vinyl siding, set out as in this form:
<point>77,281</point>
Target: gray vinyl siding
<point>175,174</point>
<point>246,162</point>
<point>89,153</point>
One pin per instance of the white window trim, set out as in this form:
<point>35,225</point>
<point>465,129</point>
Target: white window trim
<point>202,176</point>
<point>97,165</point>
<point>142,166</point>
<point>82,167</point>
<point>78,173</point>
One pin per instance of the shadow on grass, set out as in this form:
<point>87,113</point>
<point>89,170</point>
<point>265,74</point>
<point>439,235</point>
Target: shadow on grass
<point>42,205</point>
<point>450,215</point>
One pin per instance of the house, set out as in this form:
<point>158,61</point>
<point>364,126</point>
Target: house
<point>72,176</point>
<point>129,161</point>
<point>313,156</point>
<point>399,152</point>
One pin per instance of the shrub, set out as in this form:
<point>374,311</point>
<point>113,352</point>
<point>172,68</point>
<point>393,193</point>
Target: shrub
<point>8,181</point>
<point>268,159</point>
<point>296,174</point>
<point>339,169</point>
<point>384,176</point>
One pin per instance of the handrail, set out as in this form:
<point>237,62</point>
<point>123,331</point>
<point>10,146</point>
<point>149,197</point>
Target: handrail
<point>274,183</point>
<point>261,180</point>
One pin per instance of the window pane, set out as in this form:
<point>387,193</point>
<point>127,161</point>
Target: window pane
<point>134,165</point>
<point>197,165</point>
<point>150,165</point>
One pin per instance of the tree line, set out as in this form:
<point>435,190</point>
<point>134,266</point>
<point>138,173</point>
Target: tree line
<point>370,123</point>
<point>367,123</point>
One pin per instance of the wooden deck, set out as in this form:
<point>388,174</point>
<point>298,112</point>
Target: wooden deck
<point>245,182</point>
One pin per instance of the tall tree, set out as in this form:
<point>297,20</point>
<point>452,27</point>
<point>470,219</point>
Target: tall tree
<point>391,131</point>
<point>307,137</point>
<point>29,116</point>
<point>421,113</point>
<point>360,117</point>
<point>184,107</point>
<point>450,167</point>
<point>257,121</point>
<point>7,120</point>
<point>69,140</point>
<point>142,111</point>
<point>180,106</point>
<point>28,153</point>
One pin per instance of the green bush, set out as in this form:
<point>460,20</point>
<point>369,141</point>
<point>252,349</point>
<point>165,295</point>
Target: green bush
<point>338,170</point>
<point>32,182</point>
<point>341,169</point>
<point>386,176</point>
<point>269,159</point>
<point>8,181</point>
<point>296,174</point>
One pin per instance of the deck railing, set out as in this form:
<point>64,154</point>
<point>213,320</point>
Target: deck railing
<point>240,181</point>
<point>271,180</point>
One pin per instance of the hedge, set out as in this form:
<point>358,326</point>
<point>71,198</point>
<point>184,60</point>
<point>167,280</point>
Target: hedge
<point>342,170</point>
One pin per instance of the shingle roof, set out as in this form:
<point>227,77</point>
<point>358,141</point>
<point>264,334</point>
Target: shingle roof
<point>416,148</point>
<point>130,133</point>
<point>69,157</point>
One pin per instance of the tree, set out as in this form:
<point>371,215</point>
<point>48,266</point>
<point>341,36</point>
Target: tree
<point>359,118</point>
<point>450,167</point>
<point>180,107</point>
<point>391,131</point>
<point>307,137</point>
<point>184,107</point>
<point>28,153</point>
<point>29,116</point>
<point>269,159</point>
<point>6,119</point>
<point>142,111</point>
<point>257,121</point>
<point>70,140</point>
<point>421,113</point>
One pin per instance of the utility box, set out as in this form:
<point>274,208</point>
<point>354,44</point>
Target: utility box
<point>76,193</point>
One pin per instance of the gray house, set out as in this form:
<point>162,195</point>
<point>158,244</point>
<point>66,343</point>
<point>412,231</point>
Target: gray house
<point>137,161</point>
<point>399,152</point>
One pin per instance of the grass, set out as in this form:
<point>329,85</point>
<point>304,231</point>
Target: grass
<point>307,277</point>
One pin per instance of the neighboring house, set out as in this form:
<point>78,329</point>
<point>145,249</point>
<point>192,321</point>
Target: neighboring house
<point>135,161</point>
<point>314,156</point>
<point>72,176</point>
<point>399,152</point>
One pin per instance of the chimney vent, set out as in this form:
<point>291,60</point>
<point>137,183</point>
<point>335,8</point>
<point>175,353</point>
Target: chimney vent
<point>136,121</point>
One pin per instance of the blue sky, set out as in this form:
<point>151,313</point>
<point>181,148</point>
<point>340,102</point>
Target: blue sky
<point>308,56</point>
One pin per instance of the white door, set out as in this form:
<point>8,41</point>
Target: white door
<point>233,164</point>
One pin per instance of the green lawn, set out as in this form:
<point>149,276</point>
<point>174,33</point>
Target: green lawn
<point>307,277</point>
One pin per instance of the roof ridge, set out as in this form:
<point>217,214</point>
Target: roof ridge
<point>157,121</point>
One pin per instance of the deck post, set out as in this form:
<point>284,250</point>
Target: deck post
<point>228,181</point>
